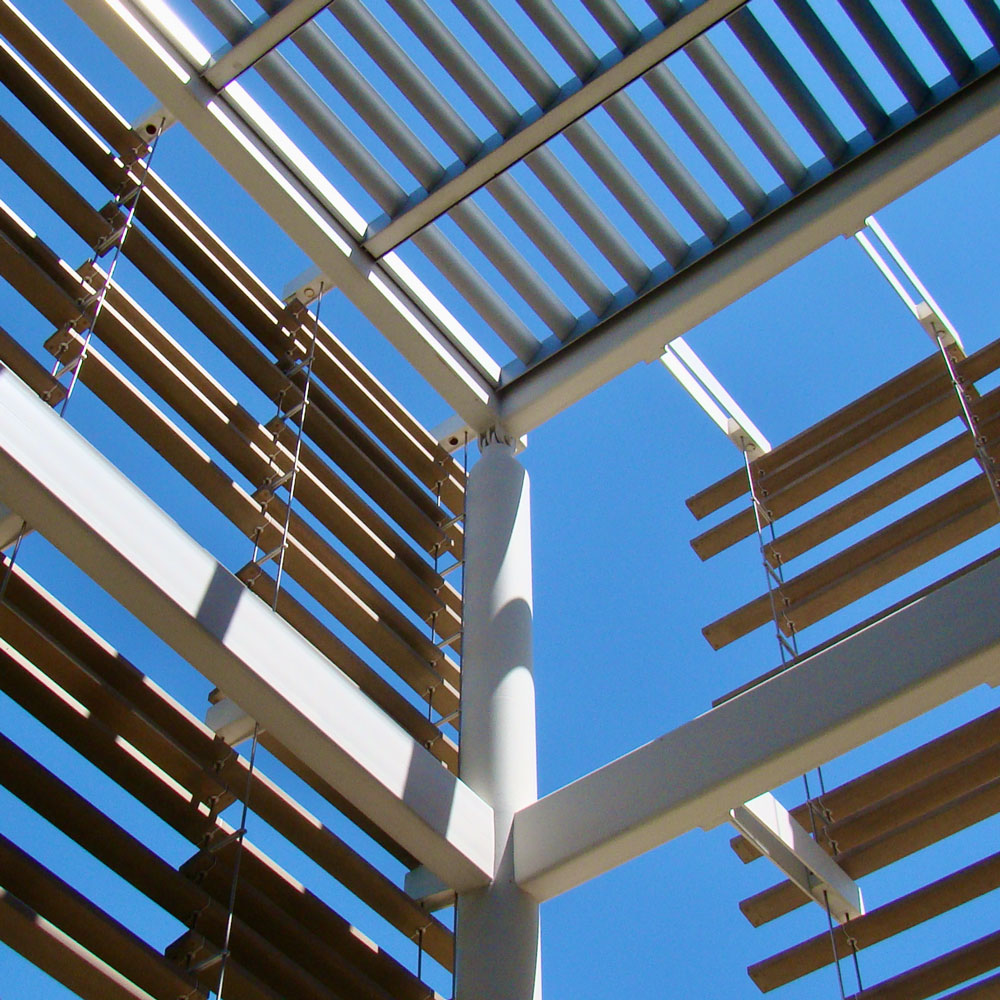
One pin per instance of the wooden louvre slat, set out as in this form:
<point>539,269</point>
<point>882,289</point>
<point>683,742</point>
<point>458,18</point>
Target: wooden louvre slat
<point>930,978</point>
<point>911,424</point>
<point>339,507</point>
<point>275,889</point>
<point>56,953</point>
<point>124,854</point>
<point>985,989</point>
<point>934,528</point>
<point>417,664</point>
<point>876,497</point>
<point>413,510</point>
<point>385,630</point>
<point>28,370</point>
<point>804,443</point>
<point>444,698</point>
<point>877,925</point>
<point>905,771</point>
<point>234,433</point>
<point>51,899</point>
<point>94,739</point>
<point>928,402</point>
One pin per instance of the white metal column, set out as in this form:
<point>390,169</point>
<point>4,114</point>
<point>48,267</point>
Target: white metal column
<point>498,955</point>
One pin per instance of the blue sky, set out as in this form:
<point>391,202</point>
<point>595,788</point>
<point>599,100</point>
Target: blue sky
<point>620,597</point>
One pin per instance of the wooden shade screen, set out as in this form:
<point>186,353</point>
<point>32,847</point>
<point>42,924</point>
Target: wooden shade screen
<point>827,455</point>
<point>375,507</point>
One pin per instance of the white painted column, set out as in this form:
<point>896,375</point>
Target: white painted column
<point>498,955</point>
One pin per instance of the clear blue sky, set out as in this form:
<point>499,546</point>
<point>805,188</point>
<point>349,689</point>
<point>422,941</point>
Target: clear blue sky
<point>620,597</point>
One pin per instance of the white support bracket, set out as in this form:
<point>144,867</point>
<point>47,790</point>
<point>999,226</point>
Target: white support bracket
<point>706,390</point>
<point>925,309</point>
<point>227,720</point>
<point>431,892</point>
<point>768,825</point>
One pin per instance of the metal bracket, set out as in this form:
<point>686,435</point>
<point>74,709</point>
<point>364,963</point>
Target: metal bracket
<point>768,825</point>
<point>226,719</point>
<point>706,390</point>
<point>428,890</point>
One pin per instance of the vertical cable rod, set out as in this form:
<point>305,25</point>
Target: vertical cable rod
<point>96,301</point>
<point>231,911</point>
<point>789,649</point>
<point>115,238</point>
<point>291,476</point>
<point>775,577</point>
<point>307,368</point>
<point>983,456</point>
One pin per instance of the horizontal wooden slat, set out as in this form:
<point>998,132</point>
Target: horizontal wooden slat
<point>443,698</point>
<point>413,509</point>
<point>91,736</point>
<point>191,948</point>
<point>805,442</point>
<point>914,801</point>
<point>301,925</point>
<point>66,961</point>
<point>914,539</point>
<point>925,407</point>
<point>869,501</point>
<point>228,279</point>
<point>879,924</point>
<point>930,978</point>
<point>911,424</point>
<point>912,768</point>
<point>385,630</point>
<point>238,437</point>
<point>942,822</point>
<point>101,935</point>
<point>115,847</point>
<point>376,407</point>
<point>28,370</point>
<point>319,488</point>
<point>985,989</point>
<point>401,646</point>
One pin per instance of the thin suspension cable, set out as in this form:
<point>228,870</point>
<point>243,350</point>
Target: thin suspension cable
<point>236,864</point>
<point>304,407</point>
<point>11,559</point>
<point>984,458</point>
<point>98,303</point>
<point>776,576</point>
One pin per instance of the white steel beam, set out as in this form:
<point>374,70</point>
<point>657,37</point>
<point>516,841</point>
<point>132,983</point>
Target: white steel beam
<point>615,72</point>
<point>834,206</point>
<point>933,649</point>
<point>767,824</point>
<point>117,535</point>
<point>246,143</point>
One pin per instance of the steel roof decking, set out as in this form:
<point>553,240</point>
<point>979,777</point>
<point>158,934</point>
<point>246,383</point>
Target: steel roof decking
<point>594,267</point>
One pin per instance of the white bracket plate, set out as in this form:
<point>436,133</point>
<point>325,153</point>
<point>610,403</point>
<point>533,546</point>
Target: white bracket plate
<point>226,719</point>
<point>768,825</point>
